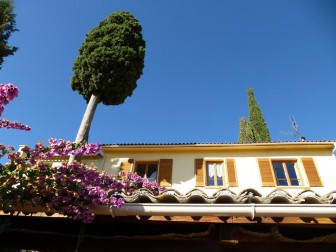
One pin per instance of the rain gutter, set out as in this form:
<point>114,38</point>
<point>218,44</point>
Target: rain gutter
<point>230,210</point>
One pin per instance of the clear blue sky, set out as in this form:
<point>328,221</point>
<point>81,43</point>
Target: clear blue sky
<point>201,57</point>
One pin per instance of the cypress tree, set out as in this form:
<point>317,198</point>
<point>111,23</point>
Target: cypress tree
<point>109,64</point>
<point>246,134</point>
<point>256,120</point>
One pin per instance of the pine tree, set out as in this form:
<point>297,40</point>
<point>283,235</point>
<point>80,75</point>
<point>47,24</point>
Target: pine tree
<point>7,27</point>
<point>256,120</point>
<point>246,134</point>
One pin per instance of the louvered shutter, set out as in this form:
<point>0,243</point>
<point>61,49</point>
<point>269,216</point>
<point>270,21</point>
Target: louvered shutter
<point>266,172</point>
<point>231,172</point>
<point>311,171</point>
<point>199,172</point>
<point>165,172</point>
<point>126,166</point>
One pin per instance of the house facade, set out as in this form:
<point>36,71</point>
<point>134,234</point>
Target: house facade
<point>292,167</point>
<point>247,197</point>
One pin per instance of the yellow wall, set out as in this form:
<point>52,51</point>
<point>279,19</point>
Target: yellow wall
<point>183,178</point>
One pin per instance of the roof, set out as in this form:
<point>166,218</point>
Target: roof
<point>325,144</point>
<point>227,196</point>
<point>221,143</point>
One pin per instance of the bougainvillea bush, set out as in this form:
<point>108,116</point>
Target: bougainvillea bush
<point>72,190</point>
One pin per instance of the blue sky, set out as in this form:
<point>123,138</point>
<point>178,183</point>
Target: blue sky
<point>201,57</point>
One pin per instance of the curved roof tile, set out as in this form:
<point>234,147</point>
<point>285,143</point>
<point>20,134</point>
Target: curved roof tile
<point>227,196</point>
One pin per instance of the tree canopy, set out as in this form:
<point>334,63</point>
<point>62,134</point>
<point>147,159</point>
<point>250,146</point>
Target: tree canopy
<point>7,27</point>
<point>110,60</point>
<point>256,119</point>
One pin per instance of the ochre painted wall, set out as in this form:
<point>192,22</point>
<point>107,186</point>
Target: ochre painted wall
<point>247,169</point>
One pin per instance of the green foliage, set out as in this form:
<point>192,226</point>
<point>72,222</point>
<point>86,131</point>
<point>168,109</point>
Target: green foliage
<point>7,27</point>
<point>110,60</point>
<point>245,134</point>
<point>256,120</point>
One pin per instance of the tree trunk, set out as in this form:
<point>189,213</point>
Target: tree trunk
<point>83,131</point>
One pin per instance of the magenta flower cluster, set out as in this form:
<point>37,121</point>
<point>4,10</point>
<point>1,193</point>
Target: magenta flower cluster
<point>73,190</point>
<point>63,148</point>
<point>13,125</point>
<point>7,93</point>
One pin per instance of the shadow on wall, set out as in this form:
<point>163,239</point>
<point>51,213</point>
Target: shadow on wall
<point>113,167</point>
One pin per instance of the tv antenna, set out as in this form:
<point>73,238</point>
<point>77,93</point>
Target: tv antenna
<point>295,132</point>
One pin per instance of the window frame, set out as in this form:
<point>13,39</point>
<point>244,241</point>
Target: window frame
<point>285,170</point>
<point>147,163</point>
<point>224,173</point>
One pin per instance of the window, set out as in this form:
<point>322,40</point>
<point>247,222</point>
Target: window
<point>160,171</point>
<point>286,173</point>
<point>147,170</point>
<point>214,173</point>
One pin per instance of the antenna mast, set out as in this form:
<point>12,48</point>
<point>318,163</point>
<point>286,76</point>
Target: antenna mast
<point>296,132</point>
